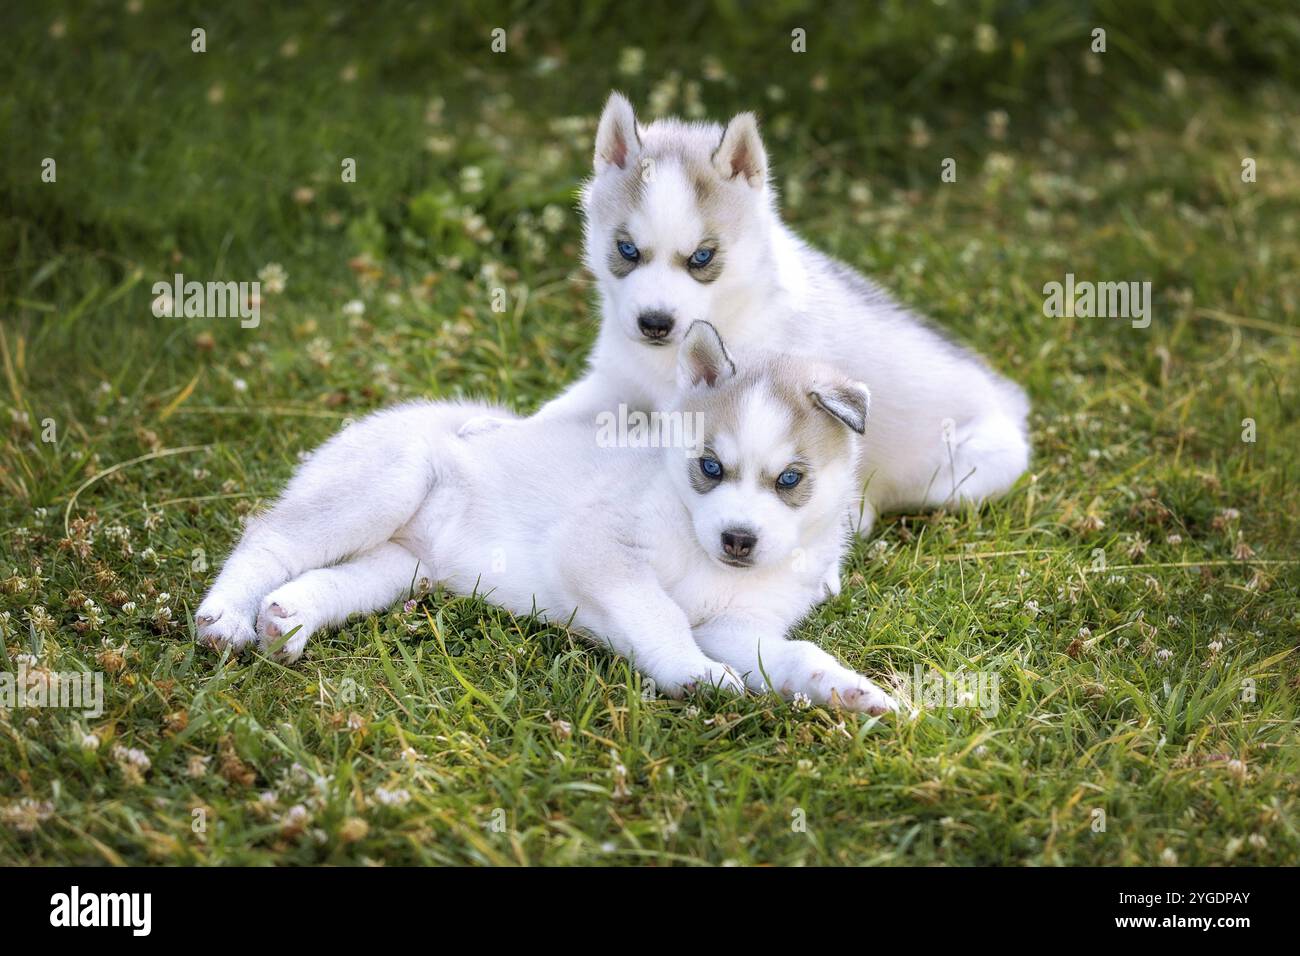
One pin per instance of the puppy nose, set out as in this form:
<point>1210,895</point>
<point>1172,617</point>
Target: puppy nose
<point>655,324</point>
<point>738,543</point>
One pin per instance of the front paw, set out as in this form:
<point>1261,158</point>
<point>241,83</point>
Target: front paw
<point>863,697</point>
<point>221,624</point>
<point>830,584</point>
<point>828,683</point>
<point>283,626</point>
<point>720,677</point>
<point>699,676</point>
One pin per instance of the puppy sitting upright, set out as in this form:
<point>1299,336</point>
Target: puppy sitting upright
<point>681,224</point>
<point>693,562</point>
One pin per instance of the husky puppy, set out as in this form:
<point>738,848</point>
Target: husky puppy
<point>682,224</point>
<point>692,562</point>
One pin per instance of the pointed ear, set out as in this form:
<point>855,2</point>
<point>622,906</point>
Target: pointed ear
<point>703,357</point>
<point>617,141</point>
<point>741,151</point>
<point>849,402</point>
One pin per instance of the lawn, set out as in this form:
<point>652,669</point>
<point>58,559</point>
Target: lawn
<point>1135,597</point>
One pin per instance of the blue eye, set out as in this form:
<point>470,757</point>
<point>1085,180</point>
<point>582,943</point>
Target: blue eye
<point>628,250</point>
<point>789,478</point>
<point>701,257</point>
<point>711,467</point>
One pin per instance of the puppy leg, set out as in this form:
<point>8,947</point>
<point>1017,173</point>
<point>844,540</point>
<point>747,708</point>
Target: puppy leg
<point>350,496</point>
<point>759,650</point>
<point>640,621</point>
<point>863,521</point>
<point>976,462</point>
<point>326,597</point>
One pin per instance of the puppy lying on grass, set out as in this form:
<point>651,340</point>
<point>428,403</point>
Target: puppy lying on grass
<point>694,562</point>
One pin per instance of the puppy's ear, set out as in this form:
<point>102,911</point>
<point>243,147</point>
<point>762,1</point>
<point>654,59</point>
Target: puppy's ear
<point>741,152</point>
<point>849,402</point>
<point>703,357</point>
<point>617,141</point>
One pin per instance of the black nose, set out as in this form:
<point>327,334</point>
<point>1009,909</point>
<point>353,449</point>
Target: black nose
<point>655,324</point>
<point>738,544</point>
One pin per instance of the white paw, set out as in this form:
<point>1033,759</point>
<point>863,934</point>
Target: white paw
<point>283,627</point>
<point>863,697</point>
<point>710,674</point>
<point>831,583</point>
<point>481,425</point>
<point>219,624</point>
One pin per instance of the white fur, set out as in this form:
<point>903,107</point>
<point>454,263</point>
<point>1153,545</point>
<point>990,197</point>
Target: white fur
<point>538,518</point>
<point>946,429</point>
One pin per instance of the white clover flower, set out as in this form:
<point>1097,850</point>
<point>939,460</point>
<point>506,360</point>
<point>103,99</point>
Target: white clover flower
<point>918,136</point>
<point>996,123</point>
<point>631,60</point>
<point>552,218</point>
<point>713,70</point>
<point>471,179</point>
<point>1000,164</point>
<point>27,814</point>
<point>131,757</point>
<point>273,278</point>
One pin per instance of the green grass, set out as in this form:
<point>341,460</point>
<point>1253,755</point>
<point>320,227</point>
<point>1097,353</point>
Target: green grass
<point>507,741</point>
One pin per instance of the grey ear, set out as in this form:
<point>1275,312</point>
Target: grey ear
<point>848,402</point>
<point>617,140</point>
<point>703,357</point>
<point>741,151</point>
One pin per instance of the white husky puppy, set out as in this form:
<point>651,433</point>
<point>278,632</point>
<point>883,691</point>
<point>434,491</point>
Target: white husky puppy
<point>682,224</point>
<point>693,562</point>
